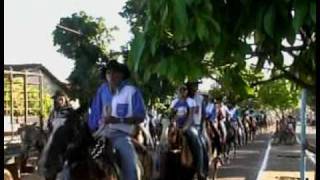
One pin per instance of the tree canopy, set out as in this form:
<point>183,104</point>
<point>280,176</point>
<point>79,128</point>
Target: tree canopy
<point>190,39</point>
<point>278,95</point>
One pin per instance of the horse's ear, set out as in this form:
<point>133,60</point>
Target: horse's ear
<point>81,110</point>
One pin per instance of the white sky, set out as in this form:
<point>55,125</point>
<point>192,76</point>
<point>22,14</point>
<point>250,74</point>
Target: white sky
<point>28,26</point>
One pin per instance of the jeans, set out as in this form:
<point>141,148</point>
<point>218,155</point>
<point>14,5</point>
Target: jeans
<point>224,131</point>
<point>197,150</point>
<point>128,157</point>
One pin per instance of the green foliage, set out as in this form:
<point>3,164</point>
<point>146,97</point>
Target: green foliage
<point>278,95</point>
<point>86,50</point>
<point>172,38</point>
<point>156,90</point>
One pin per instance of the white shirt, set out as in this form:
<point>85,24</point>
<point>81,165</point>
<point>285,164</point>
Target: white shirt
<point>122,108</point>
<point>197,115</point>
<point>181,110</point>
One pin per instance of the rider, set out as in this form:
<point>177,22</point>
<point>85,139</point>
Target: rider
<point>221,116</point>
<point>232,112</point>
<point>123,108</point>
<point>291,122</point>
<point>183,107</point>
<point>61,107</point>
<point>211,117</point>
<point>198,122</point>
<point>210,111</point>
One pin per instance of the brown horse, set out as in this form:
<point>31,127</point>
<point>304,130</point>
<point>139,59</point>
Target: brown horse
<point>144,152</point>
<point>177,160</point>
<point>215,141</point>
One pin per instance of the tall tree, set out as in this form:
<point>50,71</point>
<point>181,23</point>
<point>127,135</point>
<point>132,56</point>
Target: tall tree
<point>86,49</point>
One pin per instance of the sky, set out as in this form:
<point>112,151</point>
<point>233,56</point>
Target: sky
<point>28,27</point>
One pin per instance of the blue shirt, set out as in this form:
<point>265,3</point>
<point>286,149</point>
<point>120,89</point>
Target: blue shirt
<point>233,113</point>
<point>210,112</point>
<point>103,97</point>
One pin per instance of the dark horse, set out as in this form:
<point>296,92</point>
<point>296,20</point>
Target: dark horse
<point>230,140</point>
<point>71,142</point>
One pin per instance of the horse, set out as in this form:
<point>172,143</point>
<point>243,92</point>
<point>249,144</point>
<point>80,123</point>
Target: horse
<point>176,160</point>
<point>241,133</point>
<point>264,123</point>
<point>32,138</point>
<point>215,144</point>
<point>230,140</point>
<point>155,129</point>
<point>71,145</point>
<point>246,129</point>
<point>252,128</point>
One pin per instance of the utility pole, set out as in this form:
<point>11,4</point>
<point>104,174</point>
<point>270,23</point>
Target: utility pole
<point>303,133</point>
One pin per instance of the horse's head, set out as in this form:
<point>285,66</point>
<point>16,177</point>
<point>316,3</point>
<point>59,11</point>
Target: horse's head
<point>69,137</point>
<point>32,137</point>
<point>174,135</point>
<point>26,132</point>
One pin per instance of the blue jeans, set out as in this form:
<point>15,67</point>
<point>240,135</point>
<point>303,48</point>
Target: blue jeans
<point>66,172</point>
<point>122,143</point>
<point>197,150</point>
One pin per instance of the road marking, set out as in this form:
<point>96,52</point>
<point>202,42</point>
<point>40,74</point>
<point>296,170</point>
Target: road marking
<point>265,160</point>
<point>310,155</point>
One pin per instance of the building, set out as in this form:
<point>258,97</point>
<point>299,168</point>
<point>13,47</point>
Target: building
<point>50,83</point>
<point>25,88</point>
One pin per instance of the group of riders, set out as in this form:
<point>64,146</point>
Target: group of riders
<point>205,122</point>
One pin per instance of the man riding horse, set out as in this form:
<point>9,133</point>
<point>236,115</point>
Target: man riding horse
<point>232,113</point>
<point>61,107</point>
<point>184,109</point>
<point>122,108</point>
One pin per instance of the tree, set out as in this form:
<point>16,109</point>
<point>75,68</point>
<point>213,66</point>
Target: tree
<point>188,39</point>
<point>86,49</point>
<point>278,95</point>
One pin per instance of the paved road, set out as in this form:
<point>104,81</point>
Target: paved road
<point>248,161</point>
<point>281,162</point>
<point>284,160</point>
